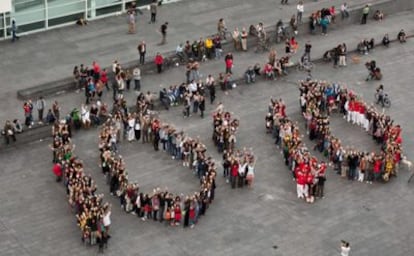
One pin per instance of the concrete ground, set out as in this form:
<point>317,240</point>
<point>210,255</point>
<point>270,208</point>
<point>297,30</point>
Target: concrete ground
<point>376,219</point>
<point>351,35</point>
<point>49,56</point>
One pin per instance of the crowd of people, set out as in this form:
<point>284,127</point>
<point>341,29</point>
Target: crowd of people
<point>238,165</point>
<point>319,100</point>
<point>92,213</point>
<point>307,171</point>
<point>160,204</point>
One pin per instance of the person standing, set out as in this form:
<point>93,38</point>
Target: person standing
<point>308,48</point>
<point>345,248</point>
<point>40,106</point>
<point>244,39</point>
<point>159,60</point>
<point>221,29</point>
<point>211,88</point>
<point>300,9</point>
<point>365,12</point>
<point>131,23</point>
<point>163,29</point>
<point>14,31</point>
<point>56,110</point>
<point>202,105</point>
<point>153,10</point>
<point>137,79</point>
<point>229,63</point>
<point>344,11</point>
<point>142,49</point>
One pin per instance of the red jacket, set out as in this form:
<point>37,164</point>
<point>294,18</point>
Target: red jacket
<point>234,170</point>
<point>229,63</point>
<point>57,170</point>
<point>159,60</point>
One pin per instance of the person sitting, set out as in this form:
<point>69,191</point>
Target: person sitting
<point>18,127</point>
<point>386,40</point>
<point>402,36</point>
<point>8,132</point>
<point>50,117</point>
<point>179,51</point>
<point>328,55</point>
<point>250,75</point>
<point>284,61</point>
<point>363,47</point>
<point>81,22</point>
<point>256,69</point>
<point>277,67</point>
<point>268,71</point>
<point>371,44</point>
<point>378,15</point>
<point>293,45</point>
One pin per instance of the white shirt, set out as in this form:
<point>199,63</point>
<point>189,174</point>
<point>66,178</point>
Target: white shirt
<point>300,7</point>
<point>137,74</point>
<point>250,170</point>
<point>192,87</point>
<point>344,7</point>
<point>345,250</point>
<point>107,219</point>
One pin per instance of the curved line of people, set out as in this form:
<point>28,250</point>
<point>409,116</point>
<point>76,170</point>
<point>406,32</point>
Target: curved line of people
<point>319,99</point>
<point>92,213</point>
<point>160,205</point>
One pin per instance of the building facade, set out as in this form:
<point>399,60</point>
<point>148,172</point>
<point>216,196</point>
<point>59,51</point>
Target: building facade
<point>39,15</point>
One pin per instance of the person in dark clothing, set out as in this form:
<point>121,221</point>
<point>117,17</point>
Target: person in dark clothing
<point>156,139</point>
<point>164,99</point>
<point>103,242</point>
<point>164,33</point>
<point>8,132</point>
<point>202,105</point>
<point>212,91</point>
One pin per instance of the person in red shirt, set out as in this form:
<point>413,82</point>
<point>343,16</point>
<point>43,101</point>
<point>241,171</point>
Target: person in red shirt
<point>228,59</point>
<point>234,171</point>
<point>159,60</point>
<point>104,78</point>
<point>57,170</point>
<point>268,70</point>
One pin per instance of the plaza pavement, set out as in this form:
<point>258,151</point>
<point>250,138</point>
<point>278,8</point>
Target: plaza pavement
<point>376,219</point>
<point>49,56</point>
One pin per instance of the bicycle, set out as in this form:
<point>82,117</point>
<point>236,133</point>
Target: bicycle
<point>385,101</point>
<point>305,65</point>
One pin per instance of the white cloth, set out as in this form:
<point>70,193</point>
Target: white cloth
<point>85,115</point>
<point>300,7</point>
<point>107,219</point>
<point>131,132</point>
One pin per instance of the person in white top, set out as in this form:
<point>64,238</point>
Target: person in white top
<point>85,116</point>
<point>344,11</point>
<point>131,128</point>
<point>107,218</point>
<point>250,175</point>
<point>300,9</point>
<point>345,248</point>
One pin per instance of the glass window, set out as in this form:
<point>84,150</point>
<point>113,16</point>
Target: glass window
<point>64,11</point>
<point>29,14</point>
